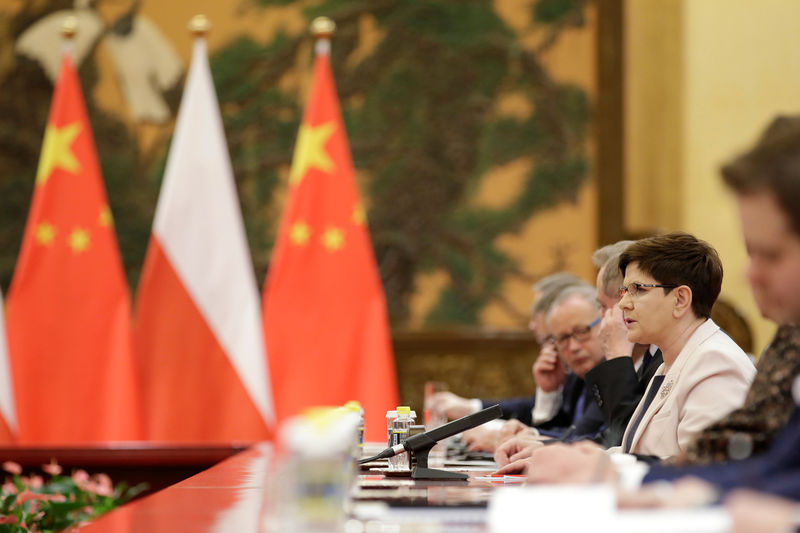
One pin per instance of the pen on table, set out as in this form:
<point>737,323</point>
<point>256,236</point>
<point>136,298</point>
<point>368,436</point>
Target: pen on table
<point>568,433</point>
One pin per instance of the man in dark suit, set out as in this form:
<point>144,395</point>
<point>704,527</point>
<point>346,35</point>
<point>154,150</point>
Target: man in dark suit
<point>562,400</point>
<point>547,291</point>
<point>562,406</point>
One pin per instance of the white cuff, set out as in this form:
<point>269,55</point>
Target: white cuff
<point>630,471</point>
<point>546,406</point>
<point>475,405</point>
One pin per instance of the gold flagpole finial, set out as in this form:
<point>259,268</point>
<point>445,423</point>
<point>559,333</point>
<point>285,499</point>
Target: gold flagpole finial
<point>322,28</point>
<point>199,25</point>
<point>69,27</point>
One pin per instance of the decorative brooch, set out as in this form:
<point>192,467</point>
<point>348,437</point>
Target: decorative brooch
<point>665,389</point>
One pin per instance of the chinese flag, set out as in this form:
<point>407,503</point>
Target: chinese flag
<point>68,313</point>
<point>325,315</point>
<point>198,316</point>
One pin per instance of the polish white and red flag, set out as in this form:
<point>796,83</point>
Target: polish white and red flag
<point>8,413</point>
<point>198,316</point>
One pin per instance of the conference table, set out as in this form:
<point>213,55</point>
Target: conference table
<point>236,494</point>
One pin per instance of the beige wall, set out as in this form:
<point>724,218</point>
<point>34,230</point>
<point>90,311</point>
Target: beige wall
<point>703,77</point>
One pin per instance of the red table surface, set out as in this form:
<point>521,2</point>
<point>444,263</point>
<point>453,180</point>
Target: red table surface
<point>227,497</point>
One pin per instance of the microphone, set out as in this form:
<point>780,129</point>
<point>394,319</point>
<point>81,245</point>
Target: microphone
<point>420,445</point>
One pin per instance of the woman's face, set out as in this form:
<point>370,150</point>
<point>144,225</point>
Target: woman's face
<point>648,314</point>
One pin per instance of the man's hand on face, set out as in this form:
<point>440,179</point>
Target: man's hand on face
<point>450,405</point>
<point>548,370</point>
<point>521,446</point>
<point>614,334</point>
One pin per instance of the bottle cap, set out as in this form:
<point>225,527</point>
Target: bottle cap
<point>403,410</point>
<point>391,414</point>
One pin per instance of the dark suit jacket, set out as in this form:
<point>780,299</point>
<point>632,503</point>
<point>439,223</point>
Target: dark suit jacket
<point>592,423</point>
<point>517,408</point>
<point>617,388</point>
<point>776,472</point>
<point>589,424</point>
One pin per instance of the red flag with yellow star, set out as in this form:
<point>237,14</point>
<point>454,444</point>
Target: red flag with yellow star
<point>68,310</point>
<point>325,316</point>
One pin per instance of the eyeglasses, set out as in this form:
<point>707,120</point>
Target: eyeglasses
<point>634,289</point>
<point>579,334</point>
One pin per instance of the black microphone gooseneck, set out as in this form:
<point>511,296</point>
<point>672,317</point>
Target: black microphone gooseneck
<point>420,445</point>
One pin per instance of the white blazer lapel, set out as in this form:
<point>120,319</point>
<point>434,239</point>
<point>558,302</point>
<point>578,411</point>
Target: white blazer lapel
<point>665,393</point>
<point>638,409</point>
<point>654,407</point>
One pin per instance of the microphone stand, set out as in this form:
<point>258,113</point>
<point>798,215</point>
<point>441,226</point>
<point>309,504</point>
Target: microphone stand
<point>421,469</point>
<point>419,446</point>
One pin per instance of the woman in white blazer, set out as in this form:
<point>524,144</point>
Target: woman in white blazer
<point>670,284</point>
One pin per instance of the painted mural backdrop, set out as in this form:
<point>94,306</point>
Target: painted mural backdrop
<point>446,103</point>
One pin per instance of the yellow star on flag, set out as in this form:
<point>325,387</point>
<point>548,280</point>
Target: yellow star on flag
<point>45,233</point>
<point>359,215</point>
<point>299,233</point>
<point>56,151</point>
<point>79,240</point>
<point>105,216</point>
<point>310,151</point>
<point>333,239</point>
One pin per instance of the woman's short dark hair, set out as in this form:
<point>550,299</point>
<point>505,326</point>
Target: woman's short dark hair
<point>772,165</point>
<point>679,259</point>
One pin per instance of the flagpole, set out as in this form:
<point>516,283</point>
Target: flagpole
<point>199,26</point>
<point>323,28</point>
<point>68,30</point>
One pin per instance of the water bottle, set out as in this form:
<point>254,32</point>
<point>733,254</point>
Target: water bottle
<point>355,407</point>
<point>415,429</point>
<point>317,472</point>
<point>390,416</point>
<point>402,423</point>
